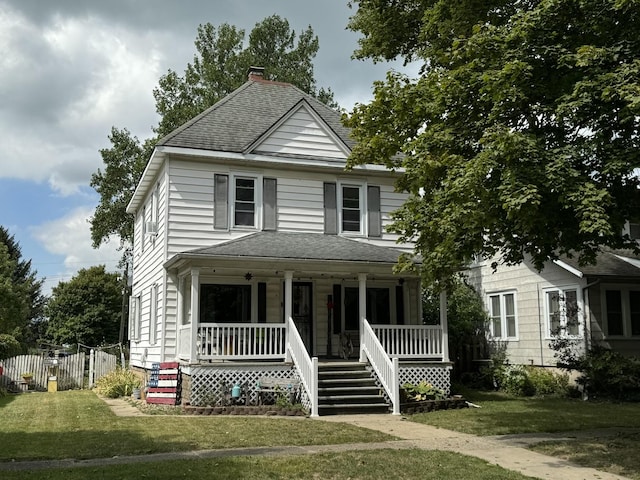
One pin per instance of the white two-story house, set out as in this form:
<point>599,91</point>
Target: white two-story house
<point>256,253</point>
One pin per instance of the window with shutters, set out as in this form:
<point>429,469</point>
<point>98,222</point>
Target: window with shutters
<point>244,202</point>
<point>352,209</point>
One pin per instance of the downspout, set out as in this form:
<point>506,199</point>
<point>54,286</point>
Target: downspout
<point>541,327</point>
<point>587,314</point>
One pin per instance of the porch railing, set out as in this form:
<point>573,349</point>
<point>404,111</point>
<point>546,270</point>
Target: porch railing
<point>306,366</point>
<point>410,341</point>
<point>236,341</point>
<point>386,368</point>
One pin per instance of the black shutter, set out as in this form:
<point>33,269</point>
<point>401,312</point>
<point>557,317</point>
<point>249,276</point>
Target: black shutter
<point>221,202</point>
<point>373,206</point>
<point>262,302</point>
<point>399,305</point>
<point>337,309</point>
<point>269,195</point>
<point>330,210</point>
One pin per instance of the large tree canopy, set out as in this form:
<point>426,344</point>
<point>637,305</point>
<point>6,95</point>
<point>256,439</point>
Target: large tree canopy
<point>86,309</point>
<point>520,136</point>
<point>220,66</point>
<point>21,299</point>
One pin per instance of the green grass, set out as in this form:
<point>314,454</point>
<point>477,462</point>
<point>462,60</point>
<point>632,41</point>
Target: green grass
<point>370,465</point>
<point>617,454</point>
<point>503,414</point>
<point>77,424</point>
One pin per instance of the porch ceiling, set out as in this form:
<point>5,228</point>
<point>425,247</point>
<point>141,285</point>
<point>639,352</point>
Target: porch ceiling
<point>308,251</point>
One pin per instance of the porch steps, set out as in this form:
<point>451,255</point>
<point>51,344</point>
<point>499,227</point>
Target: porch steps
<point>347,388</point>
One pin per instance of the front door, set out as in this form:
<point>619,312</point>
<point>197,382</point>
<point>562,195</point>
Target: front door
<point>302,310</point>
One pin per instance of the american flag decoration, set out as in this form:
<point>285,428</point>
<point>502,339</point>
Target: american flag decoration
<point>164,383</point>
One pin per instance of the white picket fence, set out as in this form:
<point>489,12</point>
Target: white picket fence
<point>69,370</point>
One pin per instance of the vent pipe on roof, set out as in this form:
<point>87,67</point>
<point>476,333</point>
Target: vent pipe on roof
<point>256,73</point>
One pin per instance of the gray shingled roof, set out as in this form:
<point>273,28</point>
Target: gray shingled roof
<point>238,120</point>
<point>608,264</point>
<point>300,246</point>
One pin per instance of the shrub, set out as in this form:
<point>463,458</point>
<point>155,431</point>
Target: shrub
<point>547,382</point>
<point>609,374</point>
<point>422,391</point>
<point>118,383</point>
<point>9,346</point>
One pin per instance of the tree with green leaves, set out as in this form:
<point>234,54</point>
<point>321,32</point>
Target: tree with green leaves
<point>220,66</point>
<point>520,136</point>
<point>21,299</point>
<point>86,309</point>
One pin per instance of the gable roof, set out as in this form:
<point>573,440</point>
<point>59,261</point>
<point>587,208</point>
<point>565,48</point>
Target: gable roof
<point>609,263</point>
<point>239,122</point>
<point>241,118</point>
<point>295,246</point>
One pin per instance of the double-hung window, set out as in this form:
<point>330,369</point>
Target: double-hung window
<point>502,310</point>
<point>351,209</point>
<point>621,305</point>
<point>245,202</point>
<point>562,306</point>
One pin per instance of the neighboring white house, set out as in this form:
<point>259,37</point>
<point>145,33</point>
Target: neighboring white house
<point>597,303</point>
<point>255,252</point>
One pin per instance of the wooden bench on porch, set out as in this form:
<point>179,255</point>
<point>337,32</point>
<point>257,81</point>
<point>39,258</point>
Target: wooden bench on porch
<point>278,386</point>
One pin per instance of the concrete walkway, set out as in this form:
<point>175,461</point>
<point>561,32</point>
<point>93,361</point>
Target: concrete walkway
<point>506,451</point>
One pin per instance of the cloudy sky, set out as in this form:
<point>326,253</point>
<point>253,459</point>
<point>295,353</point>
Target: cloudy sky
<point>71,69</point>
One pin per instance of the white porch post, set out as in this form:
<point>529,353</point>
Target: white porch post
<point>443,326</point>
<point>288,302</point>
<point>180,299</point>
<point>362,303</point>
<point>195,314</point>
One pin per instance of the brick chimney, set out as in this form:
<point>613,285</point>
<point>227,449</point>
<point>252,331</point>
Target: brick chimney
<point>256,73</point>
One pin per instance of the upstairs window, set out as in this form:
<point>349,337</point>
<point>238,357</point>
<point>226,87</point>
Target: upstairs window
<point>245,202</point>
<point>351,209</point>
<point>502,310</point>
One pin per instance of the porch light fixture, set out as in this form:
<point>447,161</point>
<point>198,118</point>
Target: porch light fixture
<point>248,276</point>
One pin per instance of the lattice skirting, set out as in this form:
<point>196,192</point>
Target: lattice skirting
<point>437,374</point>
<point>209,383</point>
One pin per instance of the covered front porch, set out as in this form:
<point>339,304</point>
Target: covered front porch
<point>241,313</point>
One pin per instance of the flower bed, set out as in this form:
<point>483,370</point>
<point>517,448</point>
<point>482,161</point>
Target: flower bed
<point>271,410</point>
<point>430,405</point>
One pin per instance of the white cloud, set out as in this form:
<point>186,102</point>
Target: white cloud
<point>70,238</point>
<point>63,88</point>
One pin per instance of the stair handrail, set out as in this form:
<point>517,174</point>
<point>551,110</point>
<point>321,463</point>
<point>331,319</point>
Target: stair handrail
<point>386,368</point>
<point>306,366</point>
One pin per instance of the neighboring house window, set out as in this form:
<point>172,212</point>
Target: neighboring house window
<point>144,227</point>
<point>245,202</point>
<point>221,303</point>
<point>562,309</point>
<point>622,310</point>
<point>502,310</point>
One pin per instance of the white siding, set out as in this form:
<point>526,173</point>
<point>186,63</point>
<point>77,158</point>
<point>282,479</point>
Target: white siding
<point>532,344</point>
<point>301,134</point>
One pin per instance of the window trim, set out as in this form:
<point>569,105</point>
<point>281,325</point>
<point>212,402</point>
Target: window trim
<point>624,290</point>
<point>547,317</point>
<point>362,203</point>
<point>153,315</point>
<point>135,317</point>
<point>503,321</point>
<point>257,201</point>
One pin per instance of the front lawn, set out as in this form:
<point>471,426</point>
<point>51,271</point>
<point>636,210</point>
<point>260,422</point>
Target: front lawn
<point>370,465</point>
<point>77,424</point>
<point>502,414</point>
